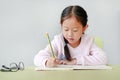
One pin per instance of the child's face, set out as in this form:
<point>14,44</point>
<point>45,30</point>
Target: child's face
<point>72,30</point>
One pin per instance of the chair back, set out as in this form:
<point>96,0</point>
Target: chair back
<point>99,42</point>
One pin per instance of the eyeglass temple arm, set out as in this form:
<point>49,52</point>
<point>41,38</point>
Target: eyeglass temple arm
<point>5,67</point>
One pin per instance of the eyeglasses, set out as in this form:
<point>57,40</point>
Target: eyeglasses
<point>13,67</point>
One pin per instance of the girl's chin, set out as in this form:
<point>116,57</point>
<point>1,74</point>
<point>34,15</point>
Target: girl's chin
<point>71,42</point>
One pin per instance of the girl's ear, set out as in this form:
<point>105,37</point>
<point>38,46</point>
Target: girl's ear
<point>85,28</point>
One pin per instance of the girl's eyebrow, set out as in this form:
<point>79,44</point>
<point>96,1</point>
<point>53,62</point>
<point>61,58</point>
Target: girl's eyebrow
<point>65,26</point>
<point>75,27</point>
<point>68,27</point>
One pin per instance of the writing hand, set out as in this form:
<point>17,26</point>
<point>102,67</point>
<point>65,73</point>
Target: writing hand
<point>52,62</point>
<point>66,62</point>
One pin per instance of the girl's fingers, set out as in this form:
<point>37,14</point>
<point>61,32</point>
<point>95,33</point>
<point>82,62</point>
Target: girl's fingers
<point>61,62</point>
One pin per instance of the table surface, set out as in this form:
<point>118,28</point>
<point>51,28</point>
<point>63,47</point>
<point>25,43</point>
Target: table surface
<point>30,74</point>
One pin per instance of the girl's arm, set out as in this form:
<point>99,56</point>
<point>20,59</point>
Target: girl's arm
<point>42,57</point>
<point>95,56</point>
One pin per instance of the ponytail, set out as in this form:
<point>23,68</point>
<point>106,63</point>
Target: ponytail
<point>66,51</point>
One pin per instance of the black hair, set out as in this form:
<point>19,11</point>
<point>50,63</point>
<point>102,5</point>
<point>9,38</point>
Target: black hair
<point>80,14</point>
<point>66,51</point>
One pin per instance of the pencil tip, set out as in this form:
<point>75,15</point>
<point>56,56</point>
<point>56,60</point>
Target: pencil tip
<point>46,32</point>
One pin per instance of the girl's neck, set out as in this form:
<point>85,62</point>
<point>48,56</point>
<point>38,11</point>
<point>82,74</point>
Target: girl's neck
<point>74,45</point>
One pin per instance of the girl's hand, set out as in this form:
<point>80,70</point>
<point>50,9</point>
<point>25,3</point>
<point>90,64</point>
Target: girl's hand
<point>51,62</point>
<point>66,62</point>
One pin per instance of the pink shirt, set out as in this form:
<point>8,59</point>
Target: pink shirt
<point>87,53</point>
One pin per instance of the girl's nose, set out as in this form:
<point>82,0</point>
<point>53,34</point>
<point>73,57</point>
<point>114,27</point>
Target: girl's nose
<point>70,34</point>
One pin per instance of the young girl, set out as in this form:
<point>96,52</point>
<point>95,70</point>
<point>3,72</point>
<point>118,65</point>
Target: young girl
<point>72,46</point>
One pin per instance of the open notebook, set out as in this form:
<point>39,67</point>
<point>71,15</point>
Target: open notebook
<point>72,67</point>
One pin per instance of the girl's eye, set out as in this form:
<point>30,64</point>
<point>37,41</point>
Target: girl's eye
<point>66,29</point>
<point>75,30</point>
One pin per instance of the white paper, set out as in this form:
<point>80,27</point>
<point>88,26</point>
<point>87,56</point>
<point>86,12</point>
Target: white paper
<point>72,67</point>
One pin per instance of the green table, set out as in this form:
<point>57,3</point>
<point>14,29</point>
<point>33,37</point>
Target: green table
<point>30,74</point>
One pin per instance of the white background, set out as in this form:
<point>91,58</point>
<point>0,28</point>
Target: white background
<point>23,24</point>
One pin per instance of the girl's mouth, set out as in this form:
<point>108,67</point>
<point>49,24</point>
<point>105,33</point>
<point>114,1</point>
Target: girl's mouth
<point>70,39</point>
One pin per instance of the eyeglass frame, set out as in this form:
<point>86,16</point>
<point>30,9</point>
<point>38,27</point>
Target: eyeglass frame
<point>17,67</point>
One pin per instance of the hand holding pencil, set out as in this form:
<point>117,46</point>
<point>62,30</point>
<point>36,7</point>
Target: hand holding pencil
<point>52,61</point>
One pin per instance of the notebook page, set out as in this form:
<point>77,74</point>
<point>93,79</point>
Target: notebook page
<point>72,67</point>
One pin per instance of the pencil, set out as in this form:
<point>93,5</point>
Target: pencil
<point>52,52</point>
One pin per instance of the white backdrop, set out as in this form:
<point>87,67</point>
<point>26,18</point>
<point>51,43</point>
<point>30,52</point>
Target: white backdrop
<point>23,24</point>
